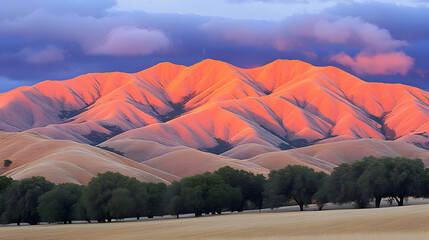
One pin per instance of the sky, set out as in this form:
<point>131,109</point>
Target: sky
<point>383,41</point>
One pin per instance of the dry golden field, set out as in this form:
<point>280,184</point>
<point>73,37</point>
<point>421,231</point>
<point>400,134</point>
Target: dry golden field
<point>408,222</point>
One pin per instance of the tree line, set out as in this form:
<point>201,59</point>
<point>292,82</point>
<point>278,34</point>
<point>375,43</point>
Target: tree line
<point>114,196</point>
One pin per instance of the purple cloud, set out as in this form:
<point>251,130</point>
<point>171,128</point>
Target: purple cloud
<point>373,43</point>
<point>295,31</point>
<point>49,54</point>
<point>354,32</point>
<point>282,36</point>
<point>131,41</point>
<point>51,40</point>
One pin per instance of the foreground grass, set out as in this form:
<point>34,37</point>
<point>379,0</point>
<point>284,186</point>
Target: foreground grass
<point>408,222</point>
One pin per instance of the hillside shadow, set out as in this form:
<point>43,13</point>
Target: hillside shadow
<point>221,147</point>
<point>98,137</point>
<point>178,108</point>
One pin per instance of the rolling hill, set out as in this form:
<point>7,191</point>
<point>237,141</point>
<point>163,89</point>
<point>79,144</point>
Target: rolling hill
<point>186,120</point>
<point>62,161</point>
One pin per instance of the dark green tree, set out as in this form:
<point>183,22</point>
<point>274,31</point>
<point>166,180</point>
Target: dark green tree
<point>321,196</point>
<point>59,204</point>
<point>376,178</point>
<point>5,182</point>
<point>407,178</point>
<point>139,194</point>
<point>250,185</point>
<point>296,182</point>
<point>21,200</point>
<point>204,193</point>
<point>426,184</point>
<point>343,187</point>
<point>81,211</point>
<point>193,198</point>
<point>7,163</point>
<point>234,198</point>
<point>175,204</point>
<point>375,182</point>
<point>155,199</point>
<point>257,190</point>
<point>218,198</point>
<point>100,198</point>
<point>121,204</point>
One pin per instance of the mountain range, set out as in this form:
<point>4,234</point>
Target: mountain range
<point>171,121</point>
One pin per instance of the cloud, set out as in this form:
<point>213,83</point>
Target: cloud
<point>377,50</point>
<point>131,41</point>
<point>378,64</point>
<point>303,31</point>
<point>42,25</point>
<point>256,10</point>
<point>310,54</point>
<point>405,22</point>
<point>49,54</point>
<point>53,39</point>
<point>19,8</point>
<point>282,36</point>
<point>354,32</point>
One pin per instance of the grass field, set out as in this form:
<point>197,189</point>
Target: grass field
<point>408,222</point>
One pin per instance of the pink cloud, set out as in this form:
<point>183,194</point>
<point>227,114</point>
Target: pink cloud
<point>131,41</point>
<point>299,32</point>
<point>310,54</point>
<point>377,64</point>
<point>49,54</point>
<point>353,31</point>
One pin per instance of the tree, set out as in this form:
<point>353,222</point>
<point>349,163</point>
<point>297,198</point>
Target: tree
<point>5,182</point>
<point>296,182</point>
<point>175,204</point>
<point>155,193</point>
<point>376,178</point>
<point>81,211</point>
<point>426,184</point>
<point>193,199</point>
<point>342,186</point>
<point>257,189</point>
<point>374,182</point>
<point>59,204</point>
<point>204,193</point>
<point>21,200</point>
<point>250,185</point>
<point>121,204</point>
<point>321,196</point>
<point>234,199</point>
<point>101,196</point>
<point>7,163</point>
<point>218,197</point>
<point>139,194</point>
<point>407,178</point>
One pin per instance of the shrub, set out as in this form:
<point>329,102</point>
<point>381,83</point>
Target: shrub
<point>7,163</point>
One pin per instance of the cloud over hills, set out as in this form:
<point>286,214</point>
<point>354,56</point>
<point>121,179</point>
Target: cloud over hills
<point>102,37</point>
